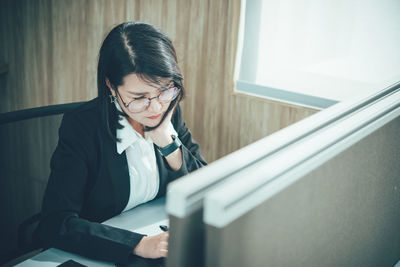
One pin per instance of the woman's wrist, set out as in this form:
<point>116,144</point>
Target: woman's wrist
<point>138,250</point>
<point>175,159</point>
<point>164,141</point>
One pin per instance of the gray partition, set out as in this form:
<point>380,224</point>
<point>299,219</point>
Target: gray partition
<point>332,199</point>
<point>185,196</point>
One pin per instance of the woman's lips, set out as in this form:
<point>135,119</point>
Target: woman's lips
<point>154,117</point>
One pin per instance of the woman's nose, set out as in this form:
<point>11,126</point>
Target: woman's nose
<point>155,105</point>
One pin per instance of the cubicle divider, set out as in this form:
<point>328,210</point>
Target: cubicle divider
<point>185,198</point>
<point>330,199</point>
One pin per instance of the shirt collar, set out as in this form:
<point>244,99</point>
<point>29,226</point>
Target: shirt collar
<point>127,134</point>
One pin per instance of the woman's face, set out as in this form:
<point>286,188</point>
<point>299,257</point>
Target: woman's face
<point>135,88</point>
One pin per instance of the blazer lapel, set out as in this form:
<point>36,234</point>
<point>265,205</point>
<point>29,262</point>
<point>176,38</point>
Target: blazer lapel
<point>116,166</point>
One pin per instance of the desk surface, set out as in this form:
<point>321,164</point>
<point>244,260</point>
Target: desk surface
<point>143,219</point>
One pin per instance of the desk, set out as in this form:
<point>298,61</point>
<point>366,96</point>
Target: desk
<point>143,219</point>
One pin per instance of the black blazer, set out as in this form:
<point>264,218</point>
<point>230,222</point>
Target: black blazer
<point>89,183</point>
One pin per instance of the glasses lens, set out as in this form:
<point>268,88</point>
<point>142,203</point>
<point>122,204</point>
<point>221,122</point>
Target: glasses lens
<point>138,105</point>
<point>168,94</point>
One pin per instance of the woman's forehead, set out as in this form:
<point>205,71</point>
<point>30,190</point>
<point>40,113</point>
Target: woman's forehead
<point>138,84</point>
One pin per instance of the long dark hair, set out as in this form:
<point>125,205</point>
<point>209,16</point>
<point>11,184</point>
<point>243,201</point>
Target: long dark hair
<point>140,48</point>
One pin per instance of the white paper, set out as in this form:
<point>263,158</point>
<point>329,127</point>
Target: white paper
<point>152,229</point>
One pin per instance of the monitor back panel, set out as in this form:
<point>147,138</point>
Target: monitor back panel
<point>346,212</point>
<point>188,236</point>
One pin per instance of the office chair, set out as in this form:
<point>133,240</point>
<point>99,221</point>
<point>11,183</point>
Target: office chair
<point>15,127</point>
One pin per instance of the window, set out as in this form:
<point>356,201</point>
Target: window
<point>315,53</point>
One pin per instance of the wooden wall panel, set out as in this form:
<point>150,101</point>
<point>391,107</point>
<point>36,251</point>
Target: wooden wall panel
<point>52,46</point>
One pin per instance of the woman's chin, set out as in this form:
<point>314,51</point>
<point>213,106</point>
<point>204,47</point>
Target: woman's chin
<point>151,123</point>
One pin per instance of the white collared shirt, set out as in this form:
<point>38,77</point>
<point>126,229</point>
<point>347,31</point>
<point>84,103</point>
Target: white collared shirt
<point>142,165</point>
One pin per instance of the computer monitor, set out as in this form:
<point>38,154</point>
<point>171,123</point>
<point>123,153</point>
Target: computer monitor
<point>331,199</point>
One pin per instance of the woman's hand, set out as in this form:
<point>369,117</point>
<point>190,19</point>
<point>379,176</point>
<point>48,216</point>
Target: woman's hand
<point>161,136</point>
<point>153,246</point>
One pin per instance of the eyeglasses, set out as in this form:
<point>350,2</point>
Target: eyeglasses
<point>166,95</point>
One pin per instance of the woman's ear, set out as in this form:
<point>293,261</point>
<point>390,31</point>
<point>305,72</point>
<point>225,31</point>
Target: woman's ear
<point>110,86</point>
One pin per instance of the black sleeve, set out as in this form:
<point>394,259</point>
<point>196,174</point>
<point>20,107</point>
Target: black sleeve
<point>192,158</point>
<point>61,225</point>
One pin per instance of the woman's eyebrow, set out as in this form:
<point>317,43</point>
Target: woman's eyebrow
<point>148,93</point>
<point>140,94</point>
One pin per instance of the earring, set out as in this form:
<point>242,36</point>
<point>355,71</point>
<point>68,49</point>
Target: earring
<point>112,98</point>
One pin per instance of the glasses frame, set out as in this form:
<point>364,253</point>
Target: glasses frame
<point>161,90</point>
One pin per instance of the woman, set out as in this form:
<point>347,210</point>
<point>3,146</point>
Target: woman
<point>120,149</point>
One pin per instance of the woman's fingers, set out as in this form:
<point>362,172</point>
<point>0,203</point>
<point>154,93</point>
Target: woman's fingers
<point>163,247</point>
<point>161,136</point>
<point>164,236</point>
<point>153,246</point>
<point>163,253</point>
